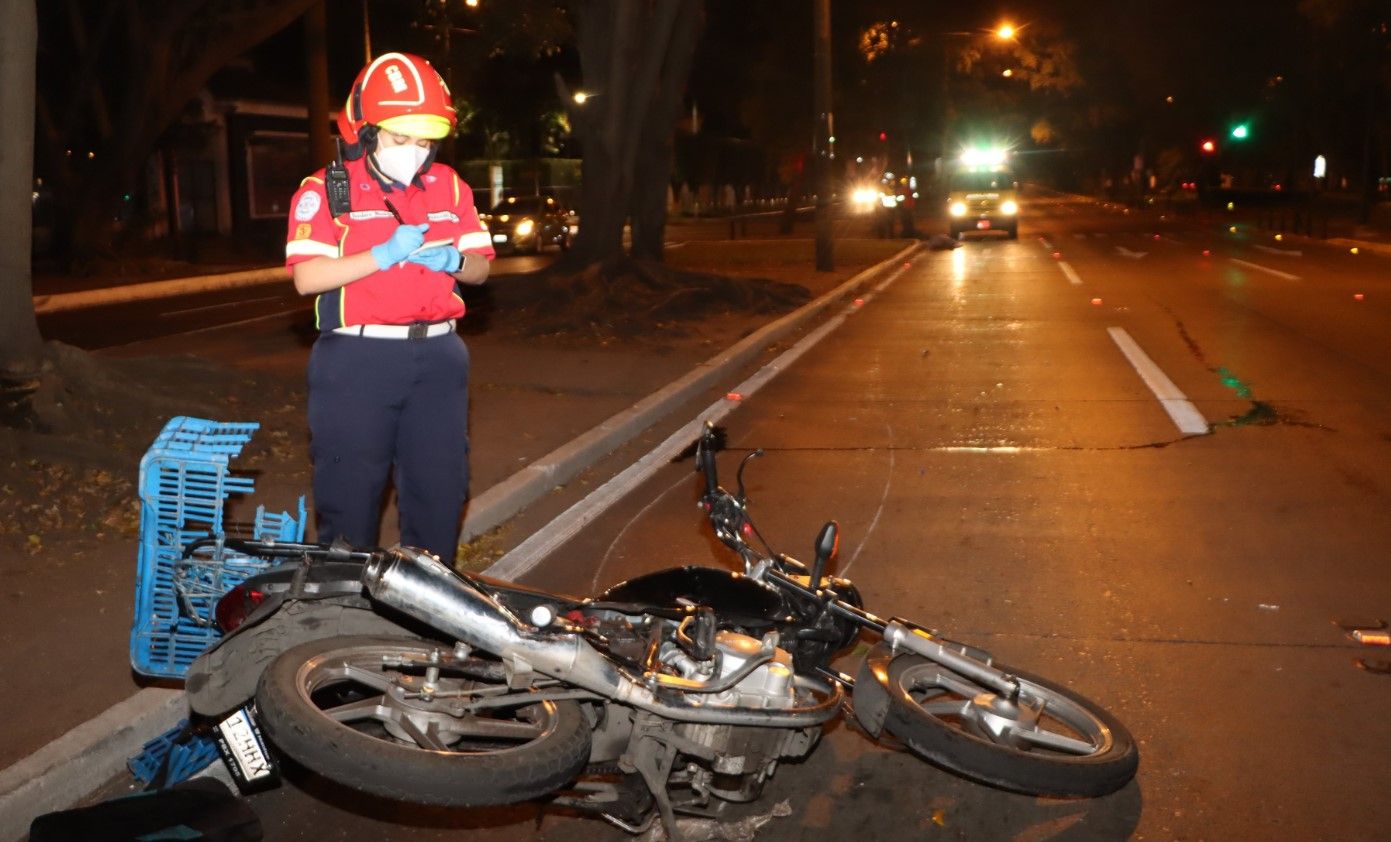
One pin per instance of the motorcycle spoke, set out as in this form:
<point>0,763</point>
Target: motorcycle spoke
<point>428,738</point>
<point>499,728</point>
<point>1055,741</point>
<point>373,678</point>
<point>369,708</point>
<point>953,707</point>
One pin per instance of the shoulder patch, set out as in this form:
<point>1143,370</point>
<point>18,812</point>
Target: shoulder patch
<point>307,206</point>
<point>303,230</point>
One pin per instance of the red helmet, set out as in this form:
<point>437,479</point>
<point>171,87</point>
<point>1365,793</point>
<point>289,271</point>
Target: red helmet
<point>401,93</point>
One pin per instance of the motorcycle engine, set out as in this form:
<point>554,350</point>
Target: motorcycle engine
<point>743,757</point>
<point>769,685</point>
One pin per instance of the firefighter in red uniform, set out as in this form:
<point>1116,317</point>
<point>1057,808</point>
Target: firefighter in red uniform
<point>383,249</point>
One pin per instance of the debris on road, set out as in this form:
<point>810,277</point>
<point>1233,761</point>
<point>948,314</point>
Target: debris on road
<point>714,830</point>
<point>1368,637</point>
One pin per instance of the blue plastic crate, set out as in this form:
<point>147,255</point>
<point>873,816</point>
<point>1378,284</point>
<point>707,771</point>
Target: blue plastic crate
<point>185,482</point>
<point>187,755</point>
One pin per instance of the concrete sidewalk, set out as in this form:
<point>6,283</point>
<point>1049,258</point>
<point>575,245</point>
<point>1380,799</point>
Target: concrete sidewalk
<point>541,414</point>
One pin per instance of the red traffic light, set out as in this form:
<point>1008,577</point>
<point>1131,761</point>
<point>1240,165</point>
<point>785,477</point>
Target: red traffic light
<point>883,135</point>
<point>1209,146</point>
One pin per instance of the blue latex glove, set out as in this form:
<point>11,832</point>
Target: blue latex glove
<point>404,240</point>
<point>438,259</point>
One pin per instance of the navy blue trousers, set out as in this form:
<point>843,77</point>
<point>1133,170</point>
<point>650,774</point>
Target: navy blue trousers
<point>379,404</point>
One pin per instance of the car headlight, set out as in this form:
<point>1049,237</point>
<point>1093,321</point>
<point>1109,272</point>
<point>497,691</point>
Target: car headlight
<point>525,227</point>
<point>1009,208</point>
<point>958,208</point>
<point>864,196</point>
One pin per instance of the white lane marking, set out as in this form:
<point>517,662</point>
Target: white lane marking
<point>1183,413</point>
<point>1046,244</point>
<point>1281,252</point>
<point>1133,255</point>
<point>221,306</point>
<point>1276,272</point>
<point>566,525</point>
<point>1072,276</point>
<point>883,498</point>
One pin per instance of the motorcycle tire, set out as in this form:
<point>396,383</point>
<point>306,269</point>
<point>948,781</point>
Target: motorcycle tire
<point>394,767</point>
<point>951,742</point>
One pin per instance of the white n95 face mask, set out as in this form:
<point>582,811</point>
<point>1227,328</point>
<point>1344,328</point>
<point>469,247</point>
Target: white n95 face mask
<point>401,163</point>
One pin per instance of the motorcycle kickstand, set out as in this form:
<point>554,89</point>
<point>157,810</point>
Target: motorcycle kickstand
<point>655,771</point>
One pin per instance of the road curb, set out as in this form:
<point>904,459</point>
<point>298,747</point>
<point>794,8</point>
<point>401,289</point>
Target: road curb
<point>73,766</point>
<point>59,302</point>
<point>510,496</point>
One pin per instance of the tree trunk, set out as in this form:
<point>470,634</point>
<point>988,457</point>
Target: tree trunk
<point>20,344</point>
<point>652,169</point>
<point>321,147</point>
<point>636,56</point>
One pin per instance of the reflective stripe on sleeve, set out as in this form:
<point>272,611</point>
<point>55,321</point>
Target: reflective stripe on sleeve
<point>312,248</point>
<point>475,240</point>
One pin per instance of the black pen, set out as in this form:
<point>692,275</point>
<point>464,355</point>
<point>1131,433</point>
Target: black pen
<point>394,212</point>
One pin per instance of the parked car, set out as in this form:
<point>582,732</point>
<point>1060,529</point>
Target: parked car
<point>528,223</point>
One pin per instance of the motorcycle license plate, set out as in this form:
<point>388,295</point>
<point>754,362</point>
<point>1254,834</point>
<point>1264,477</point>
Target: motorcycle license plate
<point>983,224</point>
<point>244,753</point>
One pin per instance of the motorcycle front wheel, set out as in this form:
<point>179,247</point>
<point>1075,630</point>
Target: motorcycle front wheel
<point>1048,741</point>
<point>406,720</point>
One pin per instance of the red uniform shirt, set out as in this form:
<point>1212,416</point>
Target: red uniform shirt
<point>399,294</point>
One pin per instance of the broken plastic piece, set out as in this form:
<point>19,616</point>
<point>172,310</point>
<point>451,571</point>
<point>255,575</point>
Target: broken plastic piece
<point>1369,637</point>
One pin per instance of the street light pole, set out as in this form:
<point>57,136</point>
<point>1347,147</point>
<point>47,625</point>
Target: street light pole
<point>825,150</point>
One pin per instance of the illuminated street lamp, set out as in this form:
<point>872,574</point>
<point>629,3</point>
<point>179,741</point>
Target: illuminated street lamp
<point>580,97</point>
<point>1006,32</point>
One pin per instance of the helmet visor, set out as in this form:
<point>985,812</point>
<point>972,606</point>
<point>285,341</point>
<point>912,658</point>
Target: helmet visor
<point>428,126</point>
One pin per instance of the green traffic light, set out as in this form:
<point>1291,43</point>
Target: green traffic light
<point>1240,132</point>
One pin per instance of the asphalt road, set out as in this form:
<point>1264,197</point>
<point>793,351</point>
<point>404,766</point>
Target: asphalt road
<point>1001,470</point>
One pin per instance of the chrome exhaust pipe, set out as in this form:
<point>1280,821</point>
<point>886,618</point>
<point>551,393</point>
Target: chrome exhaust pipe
<point>419,585</point>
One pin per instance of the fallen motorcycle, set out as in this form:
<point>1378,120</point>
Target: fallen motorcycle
<point>670,693</point>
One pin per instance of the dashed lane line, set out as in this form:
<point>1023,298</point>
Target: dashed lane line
<point>1276,272</point>
<point>1181,411</point>
<point>1072,276</point>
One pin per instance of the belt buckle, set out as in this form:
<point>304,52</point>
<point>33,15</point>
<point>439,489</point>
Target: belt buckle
<point>418,330</point>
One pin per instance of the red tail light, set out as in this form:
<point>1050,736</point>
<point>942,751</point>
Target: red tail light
<point>235,605</point>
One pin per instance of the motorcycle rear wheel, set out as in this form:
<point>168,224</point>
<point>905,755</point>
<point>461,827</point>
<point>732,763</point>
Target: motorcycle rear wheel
<point>1052,742</point>
<point>350,709</point>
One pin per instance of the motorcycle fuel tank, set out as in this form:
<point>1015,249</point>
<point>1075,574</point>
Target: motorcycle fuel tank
<point>735,597</point>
